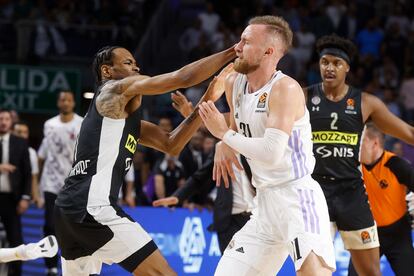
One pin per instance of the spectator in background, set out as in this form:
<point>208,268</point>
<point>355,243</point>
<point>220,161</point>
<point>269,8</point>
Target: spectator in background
<point>388,74</point>
<point>398,18</point>
<point>15,116</point>
<point>21,129</point>
<point>191,37</point>
<point>348,25</point>
<point>387,177</point>
<point>369,39</point>
<point>56,156</point>
<point>394,45</point>
<point>15,183</point>
<point>407,95</point>
<point>208,144</point>
<point>335,10</point>
<point>191,157</point>
<point>391,103</point>
<point>169,176</point>
<point>209,19</point>
<point>397,149</point>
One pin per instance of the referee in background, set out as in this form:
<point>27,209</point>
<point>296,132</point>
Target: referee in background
<point>387,178</point>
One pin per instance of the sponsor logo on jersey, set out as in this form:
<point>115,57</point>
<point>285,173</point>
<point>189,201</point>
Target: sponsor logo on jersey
<point>262,101</point>
<point>315,108</point>
<point>365,237</point>
<point>80,168</point>
<point>334,137</point>
<point>131,143</point>
<point>325,152</point>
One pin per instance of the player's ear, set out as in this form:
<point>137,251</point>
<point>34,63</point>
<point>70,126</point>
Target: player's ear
<point>105,71</point>
<point>269,51</point>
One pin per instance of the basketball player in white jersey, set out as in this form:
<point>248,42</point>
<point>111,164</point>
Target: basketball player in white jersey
<point>270,126</point>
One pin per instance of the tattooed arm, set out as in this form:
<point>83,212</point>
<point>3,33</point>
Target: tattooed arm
<point>117,94</point>
<point>173,142</point>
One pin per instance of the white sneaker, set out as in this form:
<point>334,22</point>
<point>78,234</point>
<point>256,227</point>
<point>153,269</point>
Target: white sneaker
<point>45,248</point>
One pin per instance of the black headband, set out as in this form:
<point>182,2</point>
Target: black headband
<point>335,52</point>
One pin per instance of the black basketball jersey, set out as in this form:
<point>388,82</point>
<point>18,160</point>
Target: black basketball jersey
<point>103,155</point>
<point>336,133</point>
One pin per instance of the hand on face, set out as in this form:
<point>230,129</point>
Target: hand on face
<point>213,119</point>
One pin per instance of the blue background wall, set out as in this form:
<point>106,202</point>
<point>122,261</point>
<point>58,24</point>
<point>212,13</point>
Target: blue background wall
<point>182,237</point>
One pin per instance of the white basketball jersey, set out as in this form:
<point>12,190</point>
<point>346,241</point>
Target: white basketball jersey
<point>250,113</point>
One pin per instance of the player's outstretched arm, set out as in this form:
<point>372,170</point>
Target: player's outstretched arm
<point>173,142</point>
<point>387,122</point>
<point>187,76</point>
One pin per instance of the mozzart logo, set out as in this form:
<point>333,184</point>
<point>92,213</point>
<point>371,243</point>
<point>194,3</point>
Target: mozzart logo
<point>192,244</point>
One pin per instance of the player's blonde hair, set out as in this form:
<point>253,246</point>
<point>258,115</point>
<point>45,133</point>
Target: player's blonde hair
<point>276,25</point>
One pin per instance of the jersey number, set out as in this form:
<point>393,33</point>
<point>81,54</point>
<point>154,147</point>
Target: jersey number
<point>334,115</point>
<point>246,129</point>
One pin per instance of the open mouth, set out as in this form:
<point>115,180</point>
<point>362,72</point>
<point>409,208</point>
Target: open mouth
<point>329,77</point>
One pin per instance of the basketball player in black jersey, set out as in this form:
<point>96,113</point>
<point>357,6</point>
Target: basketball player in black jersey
<point>90,227</point>
<point>338,113</point>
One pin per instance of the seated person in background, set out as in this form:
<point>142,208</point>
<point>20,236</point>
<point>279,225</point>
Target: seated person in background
<point>169,176</point>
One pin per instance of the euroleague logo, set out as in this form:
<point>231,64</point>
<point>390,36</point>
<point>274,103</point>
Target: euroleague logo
<point>366,237</point>
<point>192,244</point>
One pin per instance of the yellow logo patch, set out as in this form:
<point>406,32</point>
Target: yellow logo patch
<point>334,137</point>
<point>131,143</point>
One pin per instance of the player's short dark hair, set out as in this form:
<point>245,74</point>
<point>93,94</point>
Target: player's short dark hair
<point>335,41</point>
<point>104,56</point>
<point>373,132</point>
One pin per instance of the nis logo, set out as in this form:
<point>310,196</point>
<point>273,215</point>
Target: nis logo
<point>334,152</point>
